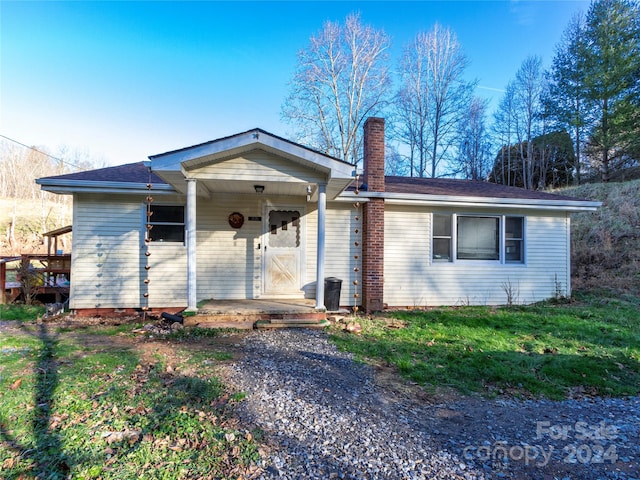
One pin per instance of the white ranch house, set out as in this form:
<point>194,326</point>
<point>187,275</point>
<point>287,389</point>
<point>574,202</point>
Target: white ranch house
<point>255,216</point>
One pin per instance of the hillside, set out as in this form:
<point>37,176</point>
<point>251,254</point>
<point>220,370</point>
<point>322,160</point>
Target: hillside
<point>606,244</point>
<point>32,218</point>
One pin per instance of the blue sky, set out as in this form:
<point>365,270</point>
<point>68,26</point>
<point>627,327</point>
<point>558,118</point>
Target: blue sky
<point>125,80</point>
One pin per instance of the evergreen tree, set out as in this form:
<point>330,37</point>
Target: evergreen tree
<point>612,59</point>
<point>552,158</point>
<point>566,102</point>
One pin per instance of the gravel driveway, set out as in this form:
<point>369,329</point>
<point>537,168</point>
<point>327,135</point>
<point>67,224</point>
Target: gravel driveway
<point>326,416</point>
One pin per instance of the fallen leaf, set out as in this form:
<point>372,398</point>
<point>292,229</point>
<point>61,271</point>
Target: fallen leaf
<point>15,384</point>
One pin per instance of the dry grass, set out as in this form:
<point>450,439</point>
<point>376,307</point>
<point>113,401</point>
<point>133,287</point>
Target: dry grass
<point>606,244</point>
<point>32,218</point>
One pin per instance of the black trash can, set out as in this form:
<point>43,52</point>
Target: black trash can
<point>332,286</point>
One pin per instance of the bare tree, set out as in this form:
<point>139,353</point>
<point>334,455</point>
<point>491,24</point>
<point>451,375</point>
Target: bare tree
<point>342,77</point>
<point>394,163</point>
<point>475,147</point>
<point>503,128</point>
<point>528,89</point>
<point>412,104</point>
<point>433,98</point>
<point>19,168</point>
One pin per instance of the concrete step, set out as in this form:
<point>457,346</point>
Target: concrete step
<point>254,317</point>
<point>240,325</point>
<point>291,323</point>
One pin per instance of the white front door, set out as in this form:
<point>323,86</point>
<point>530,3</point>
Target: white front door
<point>283,240</point>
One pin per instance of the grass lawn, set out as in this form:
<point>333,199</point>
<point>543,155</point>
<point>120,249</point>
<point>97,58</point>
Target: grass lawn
<point>590,346</point>
<point>104,403</point>
<point>21,312</point>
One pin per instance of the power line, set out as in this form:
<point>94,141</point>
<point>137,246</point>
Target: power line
<point>41,152</point>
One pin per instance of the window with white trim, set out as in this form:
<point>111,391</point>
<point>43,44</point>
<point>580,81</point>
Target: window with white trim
<point>514,240</point>
<point>167,222</point>
<point>498,238</point>
<point>442,238</point>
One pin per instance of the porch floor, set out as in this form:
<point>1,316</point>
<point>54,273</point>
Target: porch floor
<point>259,313</point>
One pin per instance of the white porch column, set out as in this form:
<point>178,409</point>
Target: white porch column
<point>322,208</point>
<point>192,299</point>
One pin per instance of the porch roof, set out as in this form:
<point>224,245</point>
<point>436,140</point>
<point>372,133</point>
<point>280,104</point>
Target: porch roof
<point>311,167</point>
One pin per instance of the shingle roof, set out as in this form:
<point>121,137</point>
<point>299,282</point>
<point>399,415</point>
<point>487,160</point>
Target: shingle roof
<point>139,173</point>
<point>464,188</point>
<point>129,173</point>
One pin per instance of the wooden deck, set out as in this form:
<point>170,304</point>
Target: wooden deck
<point>51,275</point>
<point>249,314</point>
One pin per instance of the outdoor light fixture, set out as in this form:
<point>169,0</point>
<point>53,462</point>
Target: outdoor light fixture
<point>309,191</point>
<point>258,188</point>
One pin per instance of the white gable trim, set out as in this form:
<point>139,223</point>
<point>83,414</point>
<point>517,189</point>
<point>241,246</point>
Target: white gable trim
<point>200,155</point>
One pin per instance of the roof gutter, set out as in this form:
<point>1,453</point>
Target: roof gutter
<point>84,186</point>
<point>466,201</point>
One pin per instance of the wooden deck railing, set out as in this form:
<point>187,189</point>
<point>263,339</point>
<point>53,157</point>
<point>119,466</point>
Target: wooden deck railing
<point>51,275</point>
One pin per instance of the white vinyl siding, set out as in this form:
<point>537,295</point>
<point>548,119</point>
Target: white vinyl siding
<point>413,279</point>
<point>407,250</point>
<point>340,247</point>
<point>257,167</point>
<point>108,257</point>
<point>229,260</point>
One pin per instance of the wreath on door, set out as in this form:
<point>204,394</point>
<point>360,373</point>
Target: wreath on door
<point>236,220</point>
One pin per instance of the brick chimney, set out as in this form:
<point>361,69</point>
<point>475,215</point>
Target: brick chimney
<point>373,217</point>
<point>374,154</point>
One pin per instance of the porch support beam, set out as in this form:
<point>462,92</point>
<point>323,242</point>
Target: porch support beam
<point>322,209</point>
<point>192,299</point>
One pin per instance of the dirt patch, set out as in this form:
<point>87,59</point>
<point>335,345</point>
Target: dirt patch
<point>148,344</point>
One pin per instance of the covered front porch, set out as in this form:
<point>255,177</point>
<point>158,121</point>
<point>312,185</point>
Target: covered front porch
<point>255,217</point>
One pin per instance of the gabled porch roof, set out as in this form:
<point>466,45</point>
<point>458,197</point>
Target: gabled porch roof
<point>266,157</point>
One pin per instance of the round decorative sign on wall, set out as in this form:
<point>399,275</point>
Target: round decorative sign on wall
<point>236,220</point>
